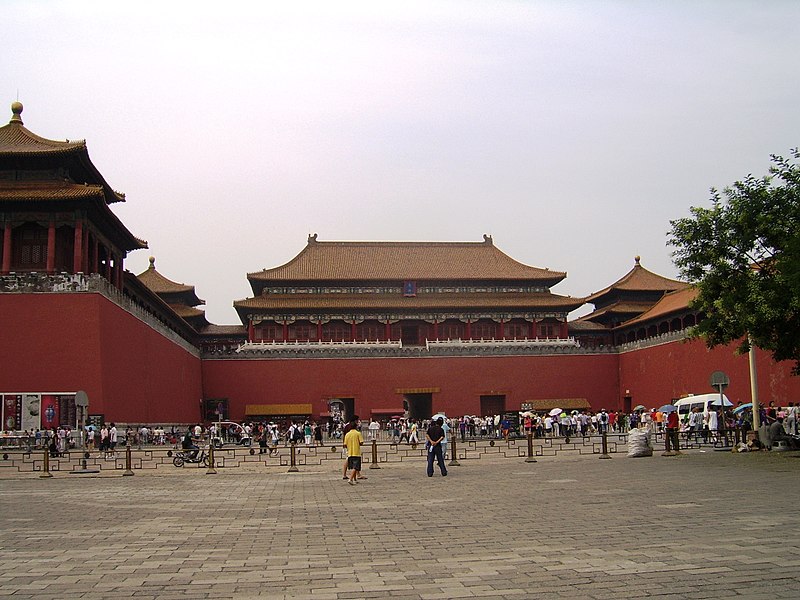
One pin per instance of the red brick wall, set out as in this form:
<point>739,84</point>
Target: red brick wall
<point>372,382</point>
<point>70,342</point>
<point>656,375</point>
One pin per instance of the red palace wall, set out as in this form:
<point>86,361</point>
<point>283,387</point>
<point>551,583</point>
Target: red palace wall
<point>70,342</point>
<point>373,382</point>
<point>659,374</point>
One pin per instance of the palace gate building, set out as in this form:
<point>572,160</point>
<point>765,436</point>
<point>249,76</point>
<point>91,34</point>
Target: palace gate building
<point>373,328</point>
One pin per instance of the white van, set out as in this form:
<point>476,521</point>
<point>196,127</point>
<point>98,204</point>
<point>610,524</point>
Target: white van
<point>701,401</point>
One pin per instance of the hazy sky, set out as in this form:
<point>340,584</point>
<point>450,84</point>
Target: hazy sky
<point>572,132</point>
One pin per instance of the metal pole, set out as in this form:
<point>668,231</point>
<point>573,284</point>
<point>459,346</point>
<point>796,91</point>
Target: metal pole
<point>211,470</point>
<point>604,441</point>
<point>530,458</point>
<point>128,471</point>
<point>293,462</point>
<point>754,387</point>
<point>374,463</point>
<point>453,460</point>
<point>46,465</point>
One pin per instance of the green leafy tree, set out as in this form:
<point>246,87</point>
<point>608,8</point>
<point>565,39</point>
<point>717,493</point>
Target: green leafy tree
<point>743,257</point>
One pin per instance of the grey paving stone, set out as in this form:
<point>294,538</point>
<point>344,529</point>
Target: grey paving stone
<point>563,527</point>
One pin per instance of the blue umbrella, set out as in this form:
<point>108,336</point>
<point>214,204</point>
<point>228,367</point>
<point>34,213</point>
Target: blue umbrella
<point>742,407</point>
<point>667,408</point>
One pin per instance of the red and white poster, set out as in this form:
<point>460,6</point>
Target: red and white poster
<point>12,412</point>
<point>49,412</point>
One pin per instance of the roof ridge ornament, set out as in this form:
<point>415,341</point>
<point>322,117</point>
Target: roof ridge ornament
<point>637,259</point>
<point>312,237</point>
<point>16,110</point>
<point>487,239</point>
<point>152,262</point>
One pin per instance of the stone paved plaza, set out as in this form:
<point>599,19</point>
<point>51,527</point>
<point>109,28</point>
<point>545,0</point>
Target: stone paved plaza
<point>704,525</point>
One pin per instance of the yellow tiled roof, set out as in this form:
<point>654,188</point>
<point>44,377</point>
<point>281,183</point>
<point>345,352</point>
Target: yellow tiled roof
<point>640,279</point>
<point>499,301</point>
<point>672,302</point>
<point>32,191</point>
<point>399,261</point>
<point>160,284</point>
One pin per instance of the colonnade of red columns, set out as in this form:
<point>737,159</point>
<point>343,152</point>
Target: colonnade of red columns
<point>80,259</point>
<point>563,330</point>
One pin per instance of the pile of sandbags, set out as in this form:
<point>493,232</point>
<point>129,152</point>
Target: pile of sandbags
<point>639,443</point>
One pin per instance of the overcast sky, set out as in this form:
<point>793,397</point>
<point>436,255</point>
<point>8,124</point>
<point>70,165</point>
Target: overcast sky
<point>572,132</point>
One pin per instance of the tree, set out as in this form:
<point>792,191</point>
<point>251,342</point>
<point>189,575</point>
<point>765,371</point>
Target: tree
<point>743,257</point>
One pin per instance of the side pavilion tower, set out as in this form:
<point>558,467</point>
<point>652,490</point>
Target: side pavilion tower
<point>54,208</point>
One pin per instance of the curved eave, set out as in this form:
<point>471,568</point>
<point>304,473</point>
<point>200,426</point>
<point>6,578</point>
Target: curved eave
<point>638,279</point>
<point>402,261</point>
<point>378,302</point>
<point>18,142</point>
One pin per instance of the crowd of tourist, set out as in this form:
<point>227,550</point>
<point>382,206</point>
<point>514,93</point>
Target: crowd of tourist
<point>270,434</point>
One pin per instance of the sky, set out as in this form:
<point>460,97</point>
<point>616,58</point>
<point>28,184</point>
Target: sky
<point>571,132</point>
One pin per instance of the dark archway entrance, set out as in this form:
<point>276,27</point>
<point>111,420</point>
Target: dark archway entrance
<point>418,406</point>
<point>493,405</point>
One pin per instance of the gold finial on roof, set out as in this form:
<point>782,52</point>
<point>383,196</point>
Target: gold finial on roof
<point>637,258</point>
<point>16,110</point>
<point>152,262</point>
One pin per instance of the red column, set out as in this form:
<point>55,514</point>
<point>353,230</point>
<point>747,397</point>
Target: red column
<point>502,329</point>
<point>77,255</point>
<point>85,251</point>
<point>319,331</point>
<point>285,331</point>
<point>388,328</point>
<point>250,330</point>
<point>436,330</point>
<point>51,247</point>
<point>118,267</point>
<point>353,331</point>
<point>95,268</point>
<point>564,331</point>
<point>534,333</point>
<point>469,329</point>
<point>7,248</point>
<point>109,258</point>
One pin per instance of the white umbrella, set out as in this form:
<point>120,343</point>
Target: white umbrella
<point>556,411</point>
<point>436,416</point>
<point>725,402</point>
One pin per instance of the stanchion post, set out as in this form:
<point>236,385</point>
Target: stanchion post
<point>128,471</point>
<point>604,442</point>
<point>530,458</point>
<point>211,470</point>
<point>453,454</point>
<point>374,463</point>
<point>46,465</point>
<point>293,461</point>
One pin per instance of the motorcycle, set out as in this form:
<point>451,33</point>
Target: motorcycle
<point>184,456</point>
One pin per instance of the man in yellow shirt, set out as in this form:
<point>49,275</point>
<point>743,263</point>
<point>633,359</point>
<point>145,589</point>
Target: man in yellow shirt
<point>353,441</point>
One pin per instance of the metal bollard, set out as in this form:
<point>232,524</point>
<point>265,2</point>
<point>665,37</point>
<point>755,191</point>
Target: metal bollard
<point>211,470</point>
<point>374,464</point>
<point>453,454</point>
<point>604,442</point>
<point>46,465</point>
<point>128,471</point>
<point>530,458</point>
<point>293,461</point>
